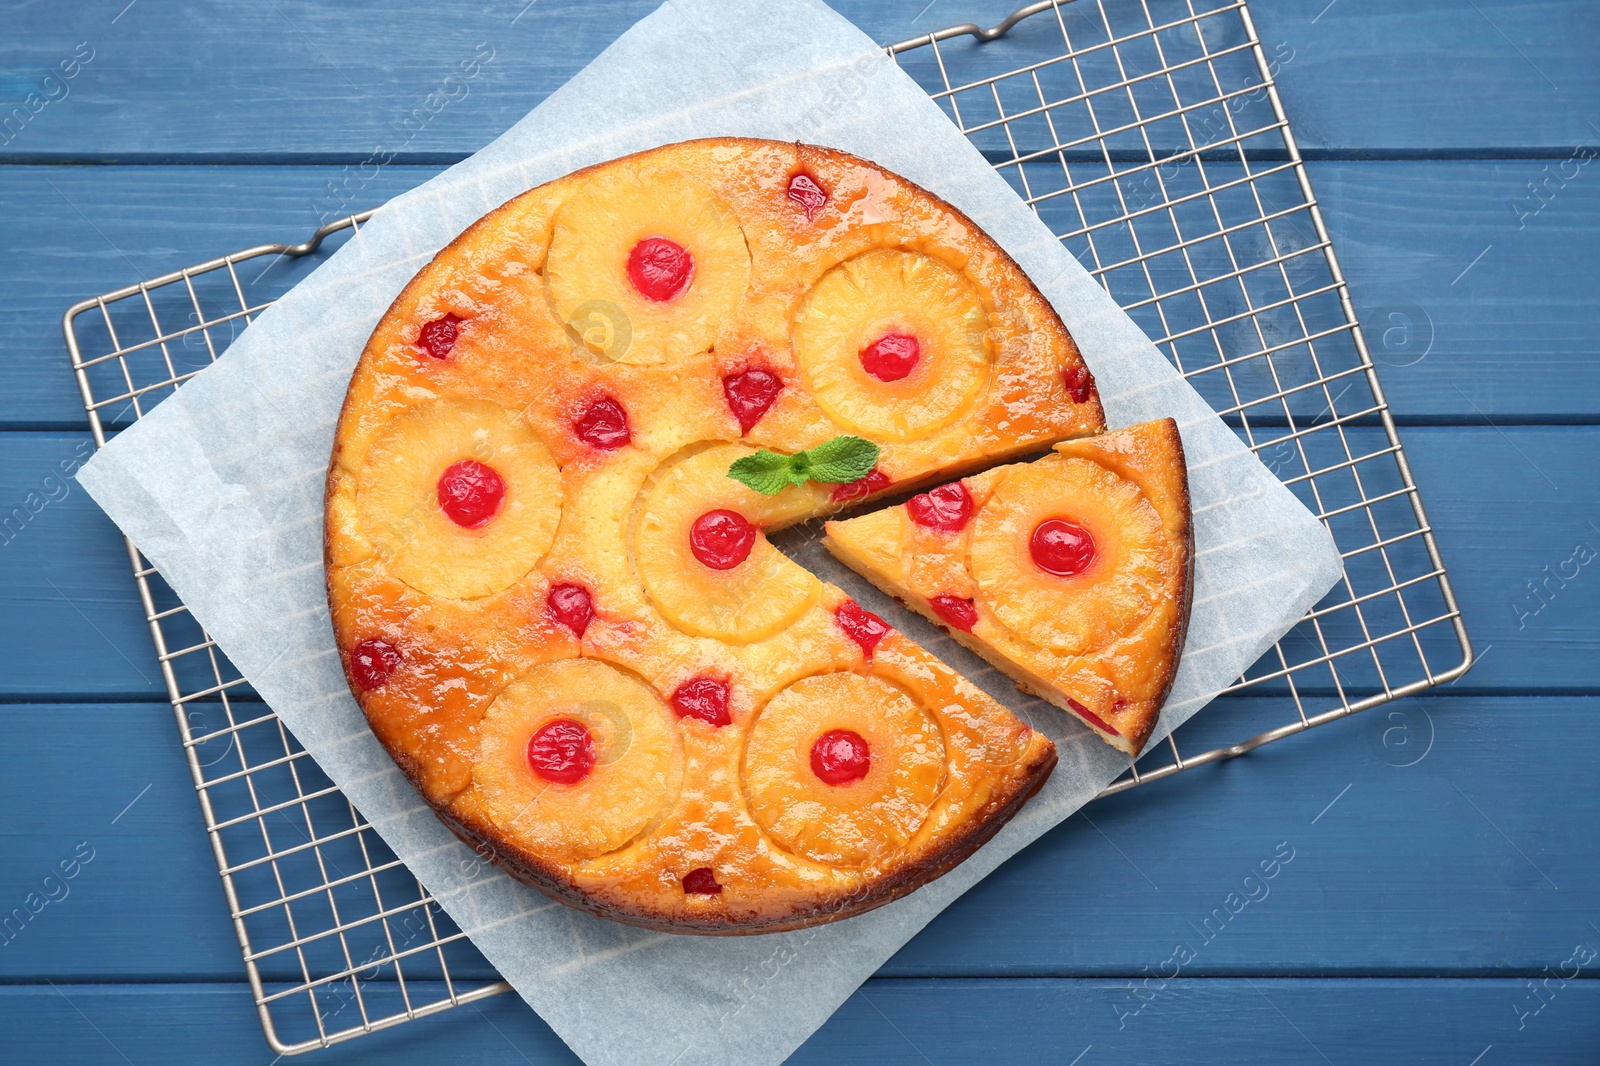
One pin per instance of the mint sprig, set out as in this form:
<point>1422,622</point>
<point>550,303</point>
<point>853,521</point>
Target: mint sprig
<point>838,461</point>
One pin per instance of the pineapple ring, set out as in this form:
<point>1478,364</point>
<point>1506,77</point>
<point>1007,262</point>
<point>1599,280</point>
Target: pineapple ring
<point>397,498</point>
<point>587,270</point>
<point>752,600</point>
<point>636,775</point>
<point>1072,615</point>
<point>884,292</point>
<point>843,825</point>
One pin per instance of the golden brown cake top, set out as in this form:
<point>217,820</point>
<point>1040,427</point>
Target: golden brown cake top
<point>563,618</point>
<point>1072,574</point>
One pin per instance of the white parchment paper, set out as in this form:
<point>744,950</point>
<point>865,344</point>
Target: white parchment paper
<point>221,487</point>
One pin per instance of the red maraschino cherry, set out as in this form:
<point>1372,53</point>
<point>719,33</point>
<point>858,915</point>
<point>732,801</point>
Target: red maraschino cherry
<point>562,752</point>
<point>875,481</point>
<point>660,269</point>
<point>705,698</point>
<point>805,192</point>
<point>372,661</point>
<point>892,357</point>
<point>572,606</point>
<point>946,508</point>
<point>1061,547</point>
<point>861,626</point>
<point>840,757</point>
<point>1092,718</point>
<point>721,539</point>
<point>470,493</point>
<point>701,882</point>
<point>1078,382</point>
<point>438,337</point>
<point>957,612</point>
<point>603,425</point>
<point>750,393</point>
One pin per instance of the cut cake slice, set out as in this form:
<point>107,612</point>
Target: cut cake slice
<point>1071,574</point>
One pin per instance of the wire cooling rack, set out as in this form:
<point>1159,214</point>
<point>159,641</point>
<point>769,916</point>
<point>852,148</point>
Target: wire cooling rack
<point>1148,134</point>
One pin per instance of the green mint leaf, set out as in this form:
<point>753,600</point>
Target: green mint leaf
<point>768,473</point>
<point>842,460</point>
<point>838,461</point>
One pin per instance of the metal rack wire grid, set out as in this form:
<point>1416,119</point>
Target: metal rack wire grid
<point>1148,134</point>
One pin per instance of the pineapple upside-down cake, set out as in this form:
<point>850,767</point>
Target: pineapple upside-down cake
<point>1071,574</point>
<point>547,508</point>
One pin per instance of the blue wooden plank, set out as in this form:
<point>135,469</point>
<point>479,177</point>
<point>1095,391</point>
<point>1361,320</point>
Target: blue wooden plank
<point>1469,316</point>
<point>1471,278</point>
<point>918,1023</point>
<point>73,616</point>
<point>1362,825</point>
<point>1381,815</point>
<point>78,232</point>
<point>73,612</point>
<point>311,81</point>
<point>1440,76</point>
<point>1474,283</point>
<point>80,632</point>
<point>117,870</point>
<point>1514,513</point>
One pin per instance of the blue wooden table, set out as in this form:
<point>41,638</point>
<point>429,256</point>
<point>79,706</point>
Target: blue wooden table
<point>1441,908</point>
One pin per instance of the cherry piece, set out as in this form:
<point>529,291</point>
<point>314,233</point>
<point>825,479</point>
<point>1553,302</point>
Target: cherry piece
<point>438,337</point>
<point>571,606</point>
<point>470,493</point>
<point>1061,547</point>
<point>946,508</point>
<point>372,661</point>
<point>660,269</point>
<point>562,751</point>
<point>840,757</point>
<point>805,192</point>
<point>750,393</point>
<point>875,481</point>
<point>603,425</point>
<point>892,357</point>
<point>1078,382</point>
<point>705,698</point>
<point>861,625</point>
<point>721,539</point>
<point>955,611</point>
<point>1092,718</point>
<point>701,882</point>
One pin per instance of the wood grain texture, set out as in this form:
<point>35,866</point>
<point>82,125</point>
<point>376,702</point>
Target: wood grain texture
<point>72,611</point>
<point>1437,77</point>
<point>78,631</point>
<point>1442,850</point>
<point>78,232</point>
<point>1474,292</point>
<point>1257,1022</point>
<point>1508,338</point>
<point>297,80</point>
<point>1361,826</point>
